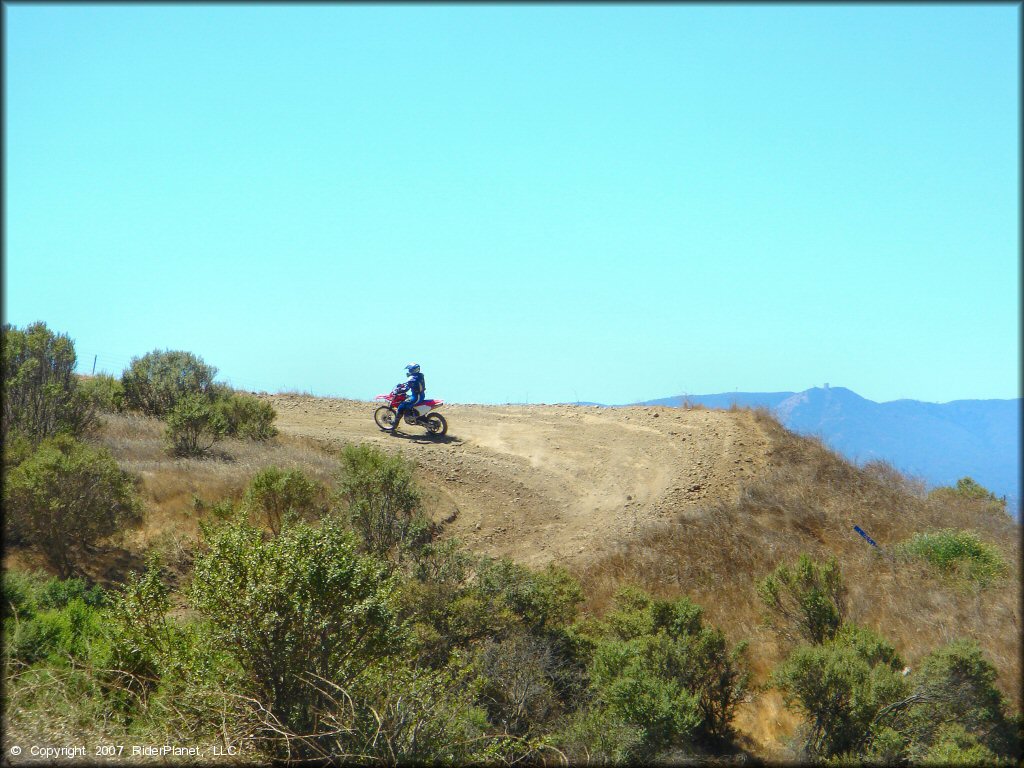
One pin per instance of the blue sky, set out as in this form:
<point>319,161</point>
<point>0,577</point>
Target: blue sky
<point>537,203</point>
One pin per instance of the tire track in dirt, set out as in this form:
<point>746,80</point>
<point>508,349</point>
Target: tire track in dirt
<point>543,483</point>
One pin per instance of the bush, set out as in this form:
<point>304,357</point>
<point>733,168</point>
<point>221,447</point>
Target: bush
<point>193,426</point>
<point>956,684</point>
<point>156,382</point>
<point>840,686</point>
<point>56,634</point>
<point>381,501</point>
<point>21,593</point>
<point>658,669</point>
<point>457,600</point>
<point>539,599</point>
<point>519,691</point>
<point>41,396</point>
<point>301,614</point>
<point>274,494</point>
<point>809,598</point>
<point>246,417</point>
<point>105,392</point>
<point>58,593</point>
<point>597,734</point>
<point>957,554</point>
<point>407,715</point>
<point>68,495</point>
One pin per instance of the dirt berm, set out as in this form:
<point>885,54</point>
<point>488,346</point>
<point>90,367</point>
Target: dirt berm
<point>544,483</point>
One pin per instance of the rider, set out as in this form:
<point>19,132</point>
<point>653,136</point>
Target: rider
<point>415,393</point>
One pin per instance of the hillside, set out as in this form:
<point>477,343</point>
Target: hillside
<point>695,502</point>
<point>937,442</point>
<point>700,502</point>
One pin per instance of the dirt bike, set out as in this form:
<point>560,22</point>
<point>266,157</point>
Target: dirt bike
<point>420,415</point>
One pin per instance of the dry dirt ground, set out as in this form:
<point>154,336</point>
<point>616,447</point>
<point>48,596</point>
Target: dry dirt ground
<point>543,483</point>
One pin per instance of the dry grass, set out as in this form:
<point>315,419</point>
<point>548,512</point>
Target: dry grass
<point>809,501</point>
<point>177,493</point>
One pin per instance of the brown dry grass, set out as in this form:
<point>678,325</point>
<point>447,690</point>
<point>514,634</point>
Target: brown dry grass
<point>809,501</point>
<point>177,493</point>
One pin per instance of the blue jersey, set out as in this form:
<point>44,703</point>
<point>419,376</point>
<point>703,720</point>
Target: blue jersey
<point>417,385</point>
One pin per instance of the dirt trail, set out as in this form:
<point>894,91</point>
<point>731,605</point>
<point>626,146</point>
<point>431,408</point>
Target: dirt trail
<point>543,483</point>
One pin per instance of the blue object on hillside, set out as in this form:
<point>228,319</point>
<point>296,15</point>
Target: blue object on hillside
<point>867,538</point>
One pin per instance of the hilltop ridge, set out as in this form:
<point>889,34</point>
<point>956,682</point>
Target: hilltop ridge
<point>553,482</point>
<point>936,442</point>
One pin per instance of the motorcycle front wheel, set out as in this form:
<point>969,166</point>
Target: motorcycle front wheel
<point>436,424</point>
<point>385,417</point>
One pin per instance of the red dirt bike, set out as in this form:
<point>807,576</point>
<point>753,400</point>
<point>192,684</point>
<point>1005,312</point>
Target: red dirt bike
<point>421,415</point>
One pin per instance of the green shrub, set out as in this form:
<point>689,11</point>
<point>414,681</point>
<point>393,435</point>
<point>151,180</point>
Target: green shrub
<point>955,746</point>
<point>55,634</point>
<point>540,599</point>
<point>598,734</point>
<point>956,684</point>
<point>956,553</point>
<point>21,592</point>
<point>456,600</point>
<point>839,686</point>
<point>301,613</point>
<point>409,715</point>
<point>154,383</point>
<point>68,495</point>
<point>657,668</point>
<point>809,598</point>
<point>193,426</point>
<point>105,392</point>
<point>246,417</point>
<point>34,639</point>
<point>57,593</point>
<point>16,449</point>
<point>275,493</point>
<point>380,499</point>
<point>41,396</point>
<point>152,656</point>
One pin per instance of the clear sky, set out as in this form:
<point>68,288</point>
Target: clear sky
<point>536,203</point>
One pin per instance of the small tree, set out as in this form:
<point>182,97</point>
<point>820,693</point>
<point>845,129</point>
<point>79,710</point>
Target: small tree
<point>274,493</point>
<point>955,684</point>
<point>809,597</point>
<point>66,495</point>
<point>156,382</point>
<point>193,426</point>
<point>41,397</point>
<point>840,686</point>
<point>382,502</point>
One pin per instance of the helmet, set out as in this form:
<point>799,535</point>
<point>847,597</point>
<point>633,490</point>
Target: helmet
<point>412,368</point>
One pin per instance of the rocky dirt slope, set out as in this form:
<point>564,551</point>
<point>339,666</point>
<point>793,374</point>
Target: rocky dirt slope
<point>544,483</point>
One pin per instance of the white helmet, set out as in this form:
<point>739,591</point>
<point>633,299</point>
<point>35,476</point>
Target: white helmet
<point>412,368</point>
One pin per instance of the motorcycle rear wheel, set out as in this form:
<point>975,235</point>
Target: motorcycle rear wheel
<point>436,424</point>
<point>385,417</point>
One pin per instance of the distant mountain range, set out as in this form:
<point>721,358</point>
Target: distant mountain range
<point>936,442</point>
